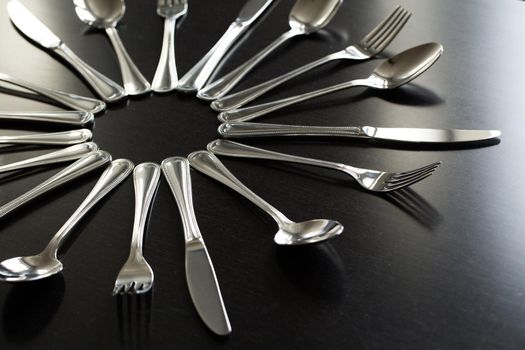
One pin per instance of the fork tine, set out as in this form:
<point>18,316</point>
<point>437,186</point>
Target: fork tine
<point>117,289</point>
<point>388,37</point>
<point>385,30</point>
<point>407,174</point>
<point>408,182</point>
<point>379,27</point>
<point>409,179</point>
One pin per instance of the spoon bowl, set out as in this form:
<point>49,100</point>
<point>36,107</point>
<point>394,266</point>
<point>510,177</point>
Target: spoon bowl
<point>310,16</point>
<point>29,268</point>
<point>100,13</point>
<point>307,232</point>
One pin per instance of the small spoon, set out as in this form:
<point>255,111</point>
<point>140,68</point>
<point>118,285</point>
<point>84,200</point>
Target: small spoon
<point>290,233</point>
<point>105,14</point>
<point>46,263</point>
<point>392,73</point>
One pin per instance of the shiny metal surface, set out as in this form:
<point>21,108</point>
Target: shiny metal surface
<point>422,135</point>
<point>136,276</point>
<point>289,233</point>
<point>82,166</point>
<point>200,274</point>
<point>33,28</point>
<point>105,14</point>
<point>306,17</point>
<point>46,263</point>
<point>54,138</point>
<point>391,73</point>
<point>369,179</point>
<point>76,118</point>
<point>166,78</point>
<point>369,46</point>
<point>198,75</point>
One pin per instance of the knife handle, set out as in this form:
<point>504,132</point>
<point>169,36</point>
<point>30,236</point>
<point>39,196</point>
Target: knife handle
<point>78,118</point>
<point>233,130</point>
<point>103,86</point>
<point>177,172</point>
<point>54,138</point>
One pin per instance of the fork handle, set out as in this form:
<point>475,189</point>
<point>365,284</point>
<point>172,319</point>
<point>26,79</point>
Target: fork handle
<point>165,78</point>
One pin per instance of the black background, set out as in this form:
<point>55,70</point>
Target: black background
<point>440,265</point>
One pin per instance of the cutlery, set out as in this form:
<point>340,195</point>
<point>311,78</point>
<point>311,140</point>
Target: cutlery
<point>136,276</point>
<point>70,153</point>
<point>78,118</point>
<point>289,233</point>
<point>197,76</point>
<point>200,274</point>
<point>38,32</point>
<point>166,78</point>
<point>105,14</point>
<point>70,137</point>
<point>306,17</point>
<point>73,101</point>
<point>82,166</point>
<point>46,263</point>
<point>392,73</point>
<point>231,130</point>
<point>371,45</point>
<point>372,180</point>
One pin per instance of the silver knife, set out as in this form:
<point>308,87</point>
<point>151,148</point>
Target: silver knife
<point>197,76</point>
<point>200,275</point>
<point>37,31</point>
<point>418,135</point>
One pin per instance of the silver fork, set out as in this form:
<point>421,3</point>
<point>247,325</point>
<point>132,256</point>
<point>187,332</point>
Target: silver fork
<point>136,276</point>
<point>166,78</point>
<point>372,44</point>
<point>372,180</point>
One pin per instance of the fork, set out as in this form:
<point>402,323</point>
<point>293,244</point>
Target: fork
<point>369,46</point>
<point>136,276</point>
<point>166,78</point>
<point>372,180</point>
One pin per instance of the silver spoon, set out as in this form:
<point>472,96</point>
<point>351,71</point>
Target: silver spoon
<point>392,73</point>
<point>306,17</point>
<point>105,14</point>
<point>290,233</point>
<point>46,263</point>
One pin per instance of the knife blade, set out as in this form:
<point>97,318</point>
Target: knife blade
<point>200,274</point>
<point>418,135</point>
<point>251,10</point>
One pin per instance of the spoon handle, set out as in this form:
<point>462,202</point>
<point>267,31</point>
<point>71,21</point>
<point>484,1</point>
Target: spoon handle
<point>63,155</point>
<point>82,166</point>
<point>54,138</point>
<point>165,78</point>
<point>234,130</point>
<point>78,118</point>
<point>134,81</point>
<point>114,174</point>
<point>207,163</point>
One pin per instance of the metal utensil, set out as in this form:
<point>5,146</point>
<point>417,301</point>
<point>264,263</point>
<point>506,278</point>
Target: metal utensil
<point>166,78</point>
<point>392,73</point>
<point>63,155</point>
<point>82,166</point>
<point>78,118</point>
<point>372,180</point>
<point>136,276</point>
<point>35,30</point>
<point>73,101</point>
<point>369,46</point>
<point>306,17</point>
<point>105,14</point>
<point>46,263</point>
<point>197,76</point>
<point>289,233</point>
<point>54,138</point>
<point>233,130</point>
<point>200,274</point>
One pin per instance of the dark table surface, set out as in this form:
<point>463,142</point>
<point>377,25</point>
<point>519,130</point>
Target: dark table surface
<point>437,266</point>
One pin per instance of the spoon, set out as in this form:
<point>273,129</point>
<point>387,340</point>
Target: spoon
<point>105,14</point>
<point>306,17</point>
<point>46,263</point>
<point>392,73</point>
<point>289,233</point>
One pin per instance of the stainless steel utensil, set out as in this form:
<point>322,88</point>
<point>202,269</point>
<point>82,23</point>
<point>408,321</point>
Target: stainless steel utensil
<point>369,46</point>
<point>392,73</point>
<point>197,76</point>
<point>35,30</point>
<point>289,233</point>
<point>136,276</point>
<point>78,118</point>
<point>372,180</point>
<point>46,263</point>
<point>306,17</point>
<point>54,138</point>
<point>200,274</point>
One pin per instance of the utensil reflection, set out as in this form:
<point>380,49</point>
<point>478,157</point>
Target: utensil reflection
<point>134,320</point>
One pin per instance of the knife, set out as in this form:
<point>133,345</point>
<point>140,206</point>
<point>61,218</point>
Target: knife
<point>200,275</point>
<point>70,137</point>
<point>418,135</point>
<point>197,76</point>
<point>37,31</point>
<point>77,118</point>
